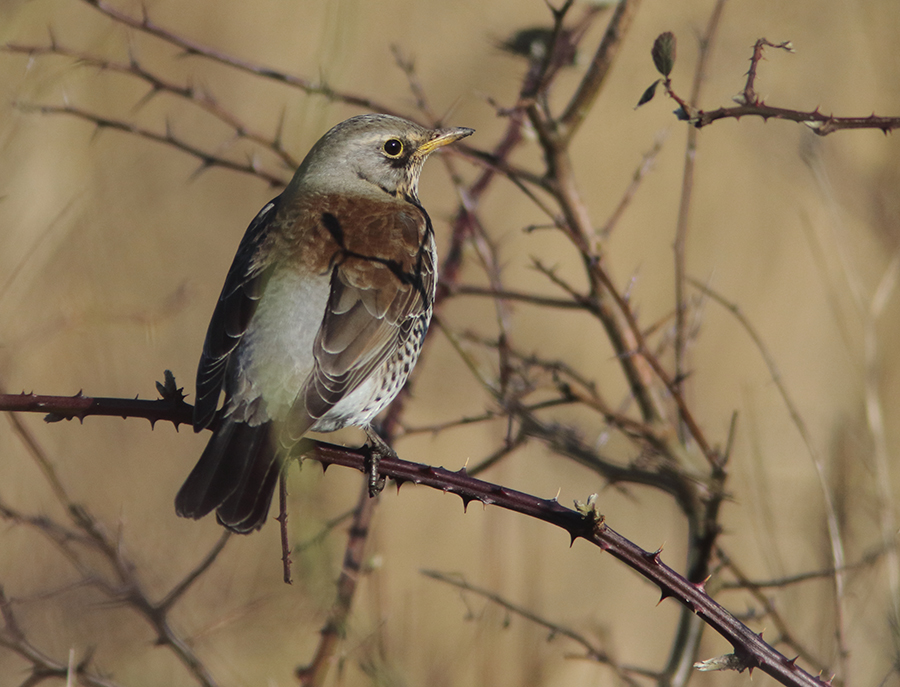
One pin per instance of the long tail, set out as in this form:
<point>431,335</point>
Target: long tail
<point>236,475</point>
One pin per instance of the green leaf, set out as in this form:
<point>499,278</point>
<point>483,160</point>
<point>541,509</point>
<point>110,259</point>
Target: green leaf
<point>664,53</point>
<point>648,94</point>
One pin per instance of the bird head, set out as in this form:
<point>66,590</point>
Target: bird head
<point>372,155</point>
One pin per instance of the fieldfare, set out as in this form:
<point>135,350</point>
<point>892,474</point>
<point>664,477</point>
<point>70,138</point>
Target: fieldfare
<point>322,314</point>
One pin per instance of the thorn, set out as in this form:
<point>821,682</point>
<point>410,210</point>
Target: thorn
<point>654,556</point>
<point>466,501</point>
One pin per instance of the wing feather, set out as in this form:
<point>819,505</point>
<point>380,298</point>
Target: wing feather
<point>240,295</point>
<point>372,305</point>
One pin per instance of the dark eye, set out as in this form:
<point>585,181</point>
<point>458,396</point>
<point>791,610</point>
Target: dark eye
<point>392,147</point>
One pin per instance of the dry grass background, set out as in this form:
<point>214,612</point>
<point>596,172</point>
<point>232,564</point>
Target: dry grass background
<point>111,257</point>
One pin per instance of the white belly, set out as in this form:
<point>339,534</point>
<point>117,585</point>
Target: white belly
<point>276,354</point>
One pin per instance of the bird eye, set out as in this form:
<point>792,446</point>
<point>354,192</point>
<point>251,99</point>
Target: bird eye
<point>392,147</point>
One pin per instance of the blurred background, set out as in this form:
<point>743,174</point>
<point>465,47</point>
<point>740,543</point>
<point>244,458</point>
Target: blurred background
<point>113,251</point>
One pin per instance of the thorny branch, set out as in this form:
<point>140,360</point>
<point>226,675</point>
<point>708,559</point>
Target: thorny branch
<point>751,105</point>
<point>524,387</point>
<point>750,650</point>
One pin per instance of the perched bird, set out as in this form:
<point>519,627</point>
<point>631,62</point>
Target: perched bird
<point>322,314</point>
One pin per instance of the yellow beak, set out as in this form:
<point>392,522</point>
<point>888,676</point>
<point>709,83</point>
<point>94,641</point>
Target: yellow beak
<point>444,137</point>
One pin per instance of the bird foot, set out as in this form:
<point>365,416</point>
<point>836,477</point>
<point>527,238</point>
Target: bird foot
<point>378,449</point>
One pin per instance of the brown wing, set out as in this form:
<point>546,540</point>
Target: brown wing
<point>240,294</point>
<point>373,306</point>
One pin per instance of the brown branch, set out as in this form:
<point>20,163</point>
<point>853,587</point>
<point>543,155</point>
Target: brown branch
<point>647,162</point>
<point>771,613</point>
<point>313,675</point>
<point>159,84</point>
<point>821,124</point>
<point>206,159</point>
<point>530,298</point>
<point>704,526</point>
<point>193,48</point>
<point>79,406</point>
<point>750,650</point>
<point>43,667</point>
<point>179,589</point>
<point>687,187</point>
<point>751,106</point>
<point>126,587</point>
<point>583,99</point>
<point>593,652</point>
<point>283,528</point>
<point>749,94</point>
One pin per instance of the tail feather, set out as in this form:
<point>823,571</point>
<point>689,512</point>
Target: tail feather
<point>236,475</point>
<point>247,507</point>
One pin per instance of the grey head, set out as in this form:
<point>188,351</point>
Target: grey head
<point>371,155</point>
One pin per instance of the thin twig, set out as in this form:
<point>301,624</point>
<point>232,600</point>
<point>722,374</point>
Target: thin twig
<point>703,530</point>
<point>687,188</point>
<point>42,666</point>
<point>834,531</point>
<point>159,84</point>
<point>647,161</point>
<point>583,99</point>
<point>772,613</point>
<point>593,652</point>
<point>314,674</point>
<point>206,159</point>
<point>193,48</point>
<point>179,589</point>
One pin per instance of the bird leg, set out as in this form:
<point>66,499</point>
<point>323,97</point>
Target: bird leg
<point>378,449</point>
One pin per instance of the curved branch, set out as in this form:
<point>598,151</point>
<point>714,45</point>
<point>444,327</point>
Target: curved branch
<point>750,651</point>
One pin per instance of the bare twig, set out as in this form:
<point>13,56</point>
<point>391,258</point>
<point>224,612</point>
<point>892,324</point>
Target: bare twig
<point>647,162</point>
<point>583,99</point>
<point>703,529</point>
<point>834,532</point>
<point>169,138</point>
<point>313,675</point>
<point>687,187</point>
<point>193,48</point>
<point>159,84</point>
<point>42,666</point>
<point>772,614</point>
<point>593,652</point>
